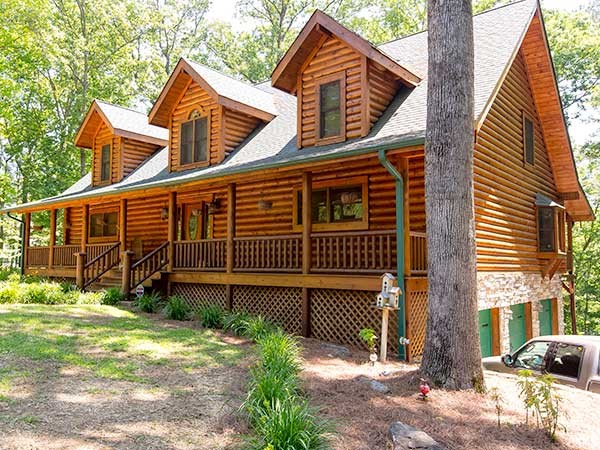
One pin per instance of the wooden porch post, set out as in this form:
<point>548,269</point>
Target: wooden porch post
<point>406,201</point>
<point>84,227</point>
<point>230,256</point>
<point>123,224</point>
<point>126,274</point>
<point>52,238</point>
<point>570,270</point>
<point>79,272</point>
<point>172,229</point>
<point>306,247</point>
<point>26,237</point>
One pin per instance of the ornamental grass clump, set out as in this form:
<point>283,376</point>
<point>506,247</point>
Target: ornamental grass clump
<point>211,316</point>
<point>148,303</point>
<point>236,322</point>
<point>113,296</point>
<point>259,327</point>
<point>176,309</point>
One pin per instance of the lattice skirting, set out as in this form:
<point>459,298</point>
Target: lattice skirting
<point>281,305</point>
<point>338,316</point>
<point>201,295</point>
<point>416,321</point>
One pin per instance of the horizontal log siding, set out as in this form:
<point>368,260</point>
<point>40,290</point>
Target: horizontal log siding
<point>134,153</point>
<point>416,193</point>
<point>104,136</point>
<point>505,186</point>
<point>382,89</point>
<point>219,218</point>
<point>333,57</point>
<point>144,222</point>
<point>195,98</point>
<point>73,222</point>
<point>238,127</point>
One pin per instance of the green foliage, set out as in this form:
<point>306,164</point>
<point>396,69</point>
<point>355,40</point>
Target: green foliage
<point>43,292</point>
<point>498,400</point>
<point>259,327</point>
<point>113,296</point>
<point>148,303</point>
<point>176,309</point>
<point>368,336</point>
<point>236,322</point>
<point>281,417</point>
<point>211,316</point>
<point>527,391</point>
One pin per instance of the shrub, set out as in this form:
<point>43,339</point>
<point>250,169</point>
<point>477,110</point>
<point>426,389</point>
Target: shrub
<point>176,309</point>
<point>258,327</point>
<point>113,296</point>
<point>46,292</point>
<point>148,302</point>
<point>211,316</point>
<point>279,353</point>
<point>368,336</point>
<point>236,322</point>
<point>5,274</point>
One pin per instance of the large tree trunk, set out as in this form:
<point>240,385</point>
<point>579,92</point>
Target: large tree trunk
<point>452,357</point>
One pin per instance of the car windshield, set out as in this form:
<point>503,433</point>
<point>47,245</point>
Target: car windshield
<point>532,355</point>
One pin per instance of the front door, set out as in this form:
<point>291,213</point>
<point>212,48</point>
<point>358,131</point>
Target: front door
<point>196,221</point>
<point>485,332</point>
<point>545,317</point>
<point>516,327</point>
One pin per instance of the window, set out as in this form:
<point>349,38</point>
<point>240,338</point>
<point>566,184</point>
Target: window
<point>103,224</point>
<point>566,360</point>
<point>105,163</point>
<point>528,140</point>
<point>194,141</point>
<point>532,356</point>
<point>336,206</point>
<point>546,228</point>
<point>331,107</point>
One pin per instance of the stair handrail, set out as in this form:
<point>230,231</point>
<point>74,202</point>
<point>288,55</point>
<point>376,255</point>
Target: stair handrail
<point>114,249</point>
<point>162,261</point>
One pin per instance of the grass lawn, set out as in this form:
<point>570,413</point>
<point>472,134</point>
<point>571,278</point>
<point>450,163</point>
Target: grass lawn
<point>99,377</point>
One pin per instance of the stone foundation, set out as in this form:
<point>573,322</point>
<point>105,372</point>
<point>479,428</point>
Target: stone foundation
<point>503,289</point>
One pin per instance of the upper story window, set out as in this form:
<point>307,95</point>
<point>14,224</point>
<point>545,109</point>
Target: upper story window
<point>528,140</point>
<point>194,141</point>
<point>550,226</point>
<point>103,224</point>
<point>331,117</point>
<point>335,205</point>
<point>105,163</point>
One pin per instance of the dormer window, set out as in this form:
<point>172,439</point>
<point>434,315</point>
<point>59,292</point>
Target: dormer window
<point>105,163</point>
<point>331,123</point>
<point>194,141</point>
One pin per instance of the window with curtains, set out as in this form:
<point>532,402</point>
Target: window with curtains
<point>194,141</point>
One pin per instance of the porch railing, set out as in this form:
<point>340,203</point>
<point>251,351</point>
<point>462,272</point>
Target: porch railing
<point>101,264</point>
<point>64,255</point>
<point>206,254</point>
<point>363,251</point>
<point>38,256</point>
<point>95,250</point>
<point>149,264</point>
<point>418,253</point>
<point>268,254</point>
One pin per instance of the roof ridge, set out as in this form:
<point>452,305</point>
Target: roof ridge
<point>120,106</point>
<point>495,8</point>
<point>231,77</point>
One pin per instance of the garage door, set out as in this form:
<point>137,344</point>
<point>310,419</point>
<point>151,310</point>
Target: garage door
<point>485,332</point>
<point>516,327</point>
<point>545,316</point>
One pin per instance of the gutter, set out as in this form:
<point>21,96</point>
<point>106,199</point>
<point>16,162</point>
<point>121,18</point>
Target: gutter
<point>399,249</point>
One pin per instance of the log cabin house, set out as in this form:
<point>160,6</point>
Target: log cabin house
<point>290,198</point>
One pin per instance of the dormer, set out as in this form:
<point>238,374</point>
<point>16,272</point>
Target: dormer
<point>342,82</point>
<point>120,140</point>
<point>208,114</point>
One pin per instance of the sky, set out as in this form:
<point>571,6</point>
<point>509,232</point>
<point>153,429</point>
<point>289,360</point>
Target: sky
<point>581,130</point>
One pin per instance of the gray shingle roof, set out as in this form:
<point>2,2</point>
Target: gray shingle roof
<point>126,119</point>
<point>497,34</point>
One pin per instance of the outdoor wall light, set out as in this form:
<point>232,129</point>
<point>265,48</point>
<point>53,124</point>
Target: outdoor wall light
<point>214,206</point>
<point>164,213</point>
<point>265,205</point>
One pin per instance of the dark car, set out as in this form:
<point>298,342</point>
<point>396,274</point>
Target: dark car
<point>573,360</point>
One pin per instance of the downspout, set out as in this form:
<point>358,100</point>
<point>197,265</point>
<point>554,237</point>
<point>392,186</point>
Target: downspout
<point>399,248</point>
<point>22,229</point>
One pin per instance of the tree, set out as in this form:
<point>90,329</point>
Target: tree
<point>452,357</point>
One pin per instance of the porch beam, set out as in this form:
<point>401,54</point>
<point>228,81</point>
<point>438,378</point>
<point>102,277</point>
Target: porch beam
<point>570,270</point>
<point>123,224</point>
<point>172,229</point>
<point>230,244</point>
<point>85,226</point>
<point>406,201</point>
<point>306,248</point>
<point>52,238</point>
<point>26,237</point>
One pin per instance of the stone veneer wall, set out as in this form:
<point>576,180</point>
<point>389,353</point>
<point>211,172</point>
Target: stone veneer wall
<point>503,289</point>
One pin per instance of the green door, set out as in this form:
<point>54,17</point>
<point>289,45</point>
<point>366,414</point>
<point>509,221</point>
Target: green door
<point>516,327</point>
<point>546,317</point>
<point>485,332</point>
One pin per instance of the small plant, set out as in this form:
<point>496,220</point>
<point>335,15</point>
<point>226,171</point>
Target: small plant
<point>258,327</point>
<point>498,400</point>
<point>236,322</point>
<point>368,336</point>
<point>176,309</point>
<point>548,405</point>
<point>211,316</point>
<point>148,303</point>
<point>527,391</point>
<point>113,296</point>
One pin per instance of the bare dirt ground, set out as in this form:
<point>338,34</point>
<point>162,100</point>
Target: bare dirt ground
<point>147,396</point>
<point>457,420</point>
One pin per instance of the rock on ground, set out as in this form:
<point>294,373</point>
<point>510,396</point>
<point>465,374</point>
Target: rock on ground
<point>406,437</point>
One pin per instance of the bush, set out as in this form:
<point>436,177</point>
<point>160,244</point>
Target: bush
<point>176,309</point>
<point>5,274</point>
<point>236,322</point>
<point>112,296</point>
<point>148,302</point>
<point>211,316</point>
<point>258,327</point>
<point>44,292</point>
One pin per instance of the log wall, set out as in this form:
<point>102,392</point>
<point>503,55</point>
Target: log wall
<point>505,186</point>
<point>144,224</point>
<point>104,136</point>
<point>382,89</point>
<point>134,153</point>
